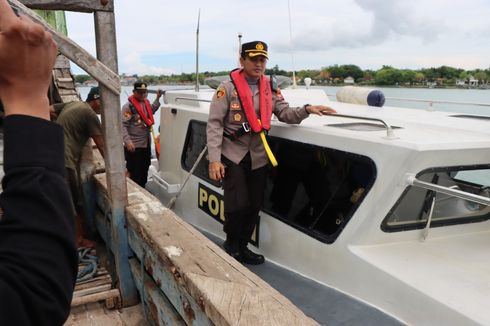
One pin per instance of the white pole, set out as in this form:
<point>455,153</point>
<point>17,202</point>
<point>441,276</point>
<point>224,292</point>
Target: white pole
<point>197,51</point>
<point>239,47</point>
<point>291,45</point>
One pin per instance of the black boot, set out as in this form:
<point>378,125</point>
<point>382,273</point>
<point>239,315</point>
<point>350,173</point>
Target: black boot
<point>232,247</point>
<point>248,256</point>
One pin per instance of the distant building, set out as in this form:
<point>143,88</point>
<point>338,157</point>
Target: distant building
<point>90,83</point>
<point>349,80</point>
<point>460,82</point>
<point>472,81</point>
<point>440,81</point>
<point>128,81</point>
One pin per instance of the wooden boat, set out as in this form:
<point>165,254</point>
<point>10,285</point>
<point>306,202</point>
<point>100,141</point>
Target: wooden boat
<point>156,259</point>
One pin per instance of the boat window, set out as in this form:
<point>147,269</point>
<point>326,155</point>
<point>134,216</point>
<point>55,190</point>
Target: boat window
<point>194,144</point>
<point>361,126</point>
<point>412,209</point>
<point>313,189</point>
<point>316,189</point>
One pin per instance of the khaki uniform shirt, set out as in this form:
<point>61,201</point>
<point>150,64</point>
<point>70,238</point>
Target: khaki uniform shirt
<point>134,128</point>
<point>223,117</point>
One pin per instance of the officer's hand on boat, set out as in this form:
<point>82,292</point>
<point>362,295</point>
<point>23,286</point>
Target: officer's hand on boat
<point>319,109</point>
<point>27,56</point>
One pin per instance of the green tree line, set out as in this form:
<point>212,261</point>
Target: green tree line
<point>385,76</point>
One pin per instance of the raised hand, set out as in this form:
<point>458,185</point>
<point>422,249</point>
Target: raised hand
<point>27,57</point>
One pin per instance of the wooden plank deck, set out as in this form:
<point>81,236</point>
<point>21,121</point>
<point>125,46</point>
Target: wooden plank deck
<point>97,314</point>
<point>202,283</point>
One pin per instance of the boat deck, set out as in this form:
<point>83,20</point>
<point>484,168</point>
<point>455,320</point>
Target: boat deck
<point>325,305</point>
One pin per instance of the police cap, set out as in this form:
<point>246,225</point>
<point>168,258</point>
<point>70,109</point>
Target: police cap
<point>255,48</point>
<point>140,86</point>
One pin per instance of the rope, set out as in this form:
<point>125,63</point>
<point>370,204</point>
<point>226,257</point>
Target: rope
<point>172,201</point>
<point>90,265</point>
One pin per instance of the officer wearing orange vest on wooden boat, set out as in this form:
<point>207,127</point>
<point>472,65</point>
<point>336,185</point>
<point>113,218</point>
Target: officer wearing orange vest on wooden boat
<point>240,112</point>
<point>137,120</point>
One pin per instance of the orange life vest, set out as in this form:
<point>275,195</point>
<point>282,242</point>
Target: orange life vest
<point>148,116</point>
<point>245,96</point>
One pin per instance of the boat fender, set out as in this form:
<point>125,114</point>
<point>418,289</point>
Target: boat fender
<point>360,95</point>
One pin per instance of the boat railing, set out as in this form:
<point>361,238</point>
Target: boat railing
<point>192,99</point>
<point>432,102</point>
<point>429,102</point>
<point>451,191</point>
<point>390,134</point>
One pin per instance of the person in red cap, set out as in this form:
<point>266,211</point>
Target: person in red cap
<point>240,112</point>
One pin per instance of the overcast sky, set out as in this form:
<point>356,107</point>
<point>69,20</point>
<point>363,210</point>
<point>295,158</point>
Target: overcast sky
<point>158,36</point>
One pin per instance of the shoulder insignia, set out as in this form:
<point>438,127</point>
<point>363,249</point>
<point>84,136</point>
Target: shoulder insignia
<point>220,92</point>
<point>235,106</point>
<point>237,117</point>
<point>127,115</point>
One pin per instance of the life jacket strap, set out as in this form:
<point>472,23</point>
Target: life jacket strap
<point>245,128</point>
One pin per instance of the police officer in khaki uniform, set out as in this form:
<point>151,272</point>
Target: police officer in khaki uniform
<point>137,119</point>
<point>240,111</point>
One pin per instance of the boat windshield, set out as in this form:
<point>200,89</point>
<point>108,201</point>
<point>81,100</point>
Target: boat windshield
<point>413,208</point>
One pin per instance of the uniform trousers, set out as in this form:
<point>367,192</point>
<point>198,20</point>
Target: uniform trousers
<point>243,196</point>
<point>137,163</point>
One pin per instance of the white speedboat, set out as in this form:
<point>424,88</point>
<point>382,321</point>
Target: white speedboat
<point>386,208</point>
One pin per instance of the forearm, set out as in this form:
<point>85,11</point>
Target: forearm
<point>155,105</point>
<point>288,114</point>
<point>99,142</point>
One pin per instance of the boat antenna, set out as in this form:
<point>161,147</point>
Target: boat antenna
<point>197,51</point>
<point>291,45</point>
<point>239,47</point>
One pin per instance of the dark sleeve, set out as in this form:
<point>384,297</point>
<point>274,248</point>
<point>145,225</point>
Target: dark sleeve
<point>38,257</point>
